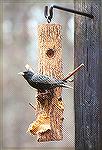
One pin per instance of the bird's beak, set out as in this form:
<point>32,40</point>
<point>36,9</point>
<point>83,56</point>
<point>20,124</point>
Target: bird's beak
<point>21,73</point>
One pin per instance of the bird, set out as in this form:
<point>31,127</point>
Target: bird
<point>42,82</point>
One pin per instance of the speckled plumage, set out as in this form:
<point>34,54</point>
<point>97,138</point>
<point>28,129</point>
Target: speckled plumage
<point>43,82</point>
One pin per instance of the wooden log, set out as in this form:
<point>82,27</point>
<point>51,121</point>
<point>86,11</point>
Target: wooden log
<point>49,110</point>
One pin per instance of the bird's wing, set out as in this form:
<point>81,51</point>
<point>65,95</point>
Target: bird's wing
<point>45,79</point>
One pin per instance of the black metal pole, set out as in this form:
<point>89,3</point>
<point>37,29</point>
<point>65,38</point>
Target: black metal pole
<point>74,11</point>
<point>49,15</point>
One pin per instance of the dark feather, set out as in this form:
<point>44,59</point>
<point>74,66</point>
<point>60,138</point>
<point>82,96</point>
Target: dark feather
<point>43,82</point>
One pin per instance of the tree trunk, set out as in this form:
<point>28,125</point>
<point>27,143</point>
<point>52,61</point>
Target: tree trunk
<point>88,83</point>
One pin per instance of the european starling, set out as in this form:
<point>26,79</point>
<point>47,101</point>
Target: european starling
<point>42,82</point>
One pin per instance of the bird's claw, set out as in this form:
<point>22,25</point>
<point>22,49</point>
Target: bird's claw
<point>42,94</point>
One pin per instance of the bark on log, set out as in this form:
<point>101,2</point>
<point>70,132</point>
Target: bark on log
<point>49,116</point>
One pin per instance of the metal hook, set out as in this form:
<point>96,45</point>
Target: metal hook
<point>46,11</point>
<point>48,15</point>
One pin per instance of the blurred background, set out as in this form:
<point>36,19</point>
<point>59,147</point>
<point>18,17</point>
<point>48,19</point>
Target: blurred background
<point>20,47</point>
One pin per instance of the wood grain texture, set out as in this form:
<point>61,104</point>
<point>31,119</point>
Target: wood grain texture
<point>88,83</point>
<point>50,107</point>
<point>50,63</point>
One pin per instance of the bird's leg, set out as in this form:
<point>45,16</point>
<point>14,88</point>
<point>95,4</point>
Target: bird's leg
<point>41,94</point>
<point>47,94</point>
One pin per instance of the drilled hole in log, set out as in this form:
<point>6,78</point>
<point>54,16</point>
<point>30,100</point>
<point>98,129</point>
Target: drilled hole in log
<point>50,53</point>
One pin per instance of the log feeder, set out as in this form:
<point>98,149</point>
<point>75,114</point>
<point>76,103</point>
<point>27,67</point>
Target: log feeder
<point>49,107</point>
